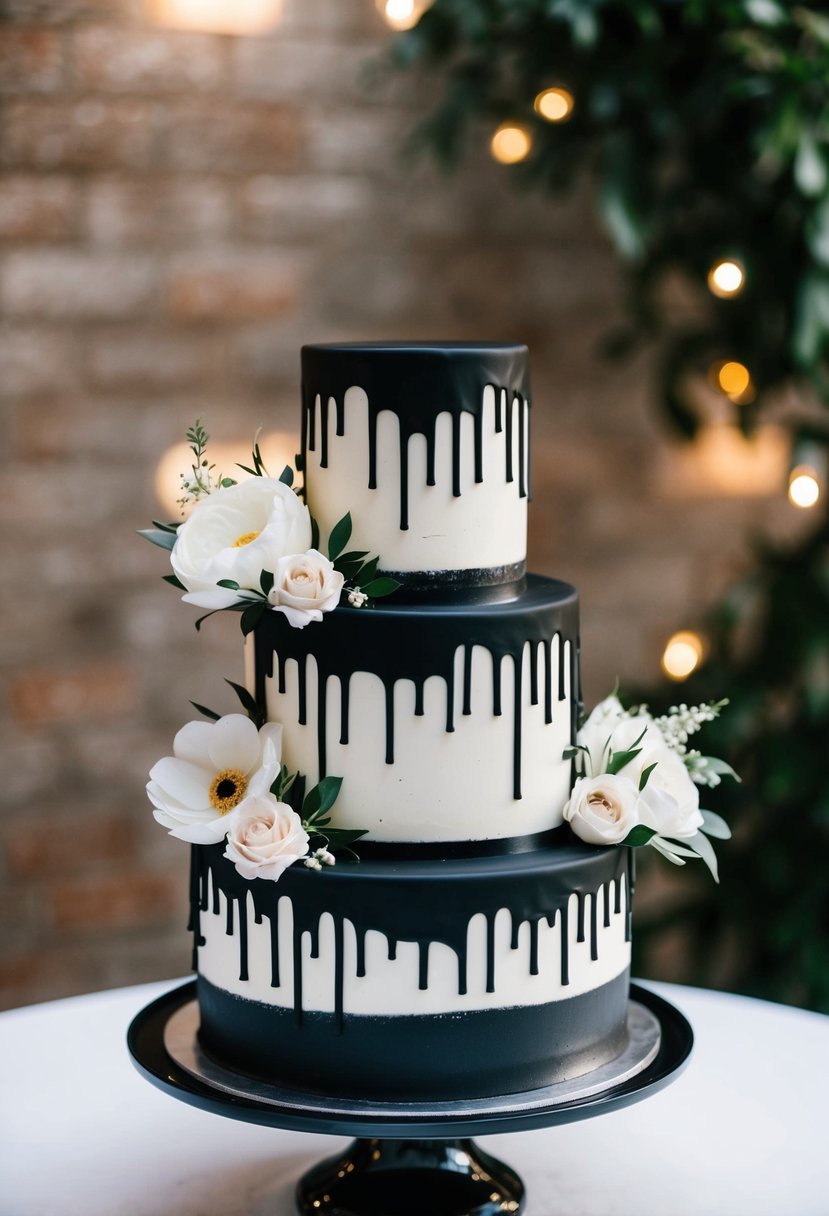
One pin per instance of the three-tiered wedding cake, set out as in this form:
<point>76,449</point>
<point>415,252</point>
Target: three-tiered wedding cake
<point>477,948</point>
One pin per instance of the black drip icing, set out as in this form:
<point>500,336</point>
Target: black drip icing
<point>417,382</point>
<point>414,641</point>
<point>422,902</point>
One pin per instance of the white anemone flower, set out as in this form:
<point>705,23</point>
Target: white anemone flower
<point>214,769</point>
<point>234,534</point>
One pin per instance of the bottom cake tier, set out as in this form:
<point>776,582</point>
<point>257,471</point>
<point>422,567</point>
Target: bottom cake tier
<point>416,979</point>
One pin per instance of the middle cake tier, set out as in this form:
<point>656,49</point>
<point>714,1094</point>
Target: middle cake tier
<point>447,720</point>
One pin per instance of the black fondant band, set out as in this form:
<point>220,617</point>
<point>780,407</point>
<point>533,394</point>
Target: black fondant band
<point>443,850</point>
<point>460,1055</point>
<point>454,581</point>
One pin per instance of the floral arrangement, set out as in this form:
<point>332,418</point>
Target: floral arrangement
<point>251,547</point>
<point>637,781</point>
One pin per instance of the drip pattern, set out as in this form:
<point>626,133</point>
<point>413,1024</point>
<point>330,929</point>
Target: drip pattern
<point>418,383</point>
<point>536,892</point>
<point>414,642</point>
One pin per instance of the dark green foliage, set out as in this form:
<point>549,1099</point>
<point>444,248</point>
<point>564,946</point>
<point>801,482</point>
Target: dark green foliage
<point>702,130</point>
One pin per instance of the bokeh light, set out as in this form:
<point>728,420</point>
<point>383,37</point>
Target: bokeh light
<point>217,16</point>
<point>402,14</point>
<point>511,143</point>
<point>734,379</point>
<point>682,655</point>
<point>554,105</point>
<point>804,487</point>
<point>726,278</point>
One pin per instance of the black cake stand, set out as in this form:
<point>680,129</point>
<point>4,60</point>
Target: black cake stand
<point>413,1158</point>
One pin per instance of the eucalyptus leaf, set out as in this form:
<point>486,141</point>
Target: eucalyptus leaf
<point>714,825</point>
<point>165,526</point>
<point>702,846</point>
<point>158,536</point>
<point>287,475</point>
<point>672,857</point>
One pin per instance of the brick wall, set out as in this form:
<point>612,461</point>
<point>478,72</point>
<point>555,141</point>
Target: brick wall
<point>178,212</point>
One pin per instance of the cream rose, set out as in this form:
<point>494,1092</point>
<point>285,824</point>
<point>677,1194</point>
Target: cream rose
<point>236,533</point>
<point>305,586</point>
<point>266,839</point>
<point>603,809</point>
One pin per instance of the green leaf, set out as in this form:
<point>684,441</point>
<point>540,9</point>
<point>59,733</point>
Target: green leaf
<point>618,760</point>
<point>340,536</point>
<point>204,618</point>
<point>283,783</point>
<point>721,767</point>
<point>638,836</point>
<point>158,536</point>
<point>226,482</point>
<point>646,772</point>
<point>249,702</point>
<point>174,581</point>
<point>266,582</point>
<point>208,713</point>
<point>340,838</point>
<point>229,583</point>
<point>378,587</point>
<point>247,469</point>
<point>672,857</point>
<point>166,527</point>
<point>251,617</point>
<point>287,475</point>
<point>714,825</point>
<point>367,573</point>
<point>321,798</point>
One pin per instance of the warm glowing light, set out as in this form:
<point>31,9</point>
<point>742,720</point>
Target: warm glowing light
<point>402,14</point>
<point>726,278</point>
<point>734,379</point>
<point>217,16</point>
<point>682,655</point>
<point>278,449</point>
<point>511,143</point>
<point>804,487</point>
<point>556,105</point>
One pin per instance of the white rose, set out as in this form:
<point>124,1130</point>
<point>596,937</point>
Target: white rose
<point>236,533</point>
<point>602,809</point>
<point>669,803</point>
<point>305,586</point>
<point>596,733</point>
<point>266,839</point>
<point>215,766</point>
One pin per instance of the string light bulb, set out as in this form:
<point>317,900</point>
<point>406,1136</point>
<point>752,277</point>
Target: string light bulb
<point>554,105</point>
<point>682,655</point>
<point>804,487</point>
<point>726,278</point>
<point>402,14</point>
<point>511,143</point>
<point>734,380</point>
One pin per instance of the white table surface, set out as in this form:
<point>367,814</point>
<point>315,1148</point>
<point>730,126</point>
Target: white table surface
<point>743,1132</point>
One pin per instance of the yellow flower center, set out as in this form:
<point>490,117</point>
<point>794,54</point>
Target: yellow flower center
<point>228,790</point>
<point>244,539</point>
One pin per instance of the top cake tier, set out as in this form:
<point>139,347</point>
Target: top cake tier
<point>427,445</point>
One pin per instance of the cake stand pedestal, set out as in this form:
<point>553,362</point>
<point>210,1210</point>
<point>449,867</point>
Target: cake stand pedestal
<point>409,1158</point>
